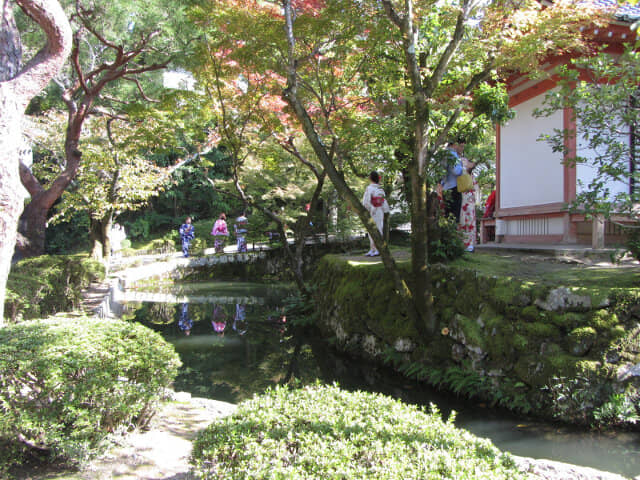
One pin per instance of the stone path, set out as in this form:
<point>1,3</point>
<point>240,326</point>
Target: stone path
<point>93,297</point>
<point>161,453</point>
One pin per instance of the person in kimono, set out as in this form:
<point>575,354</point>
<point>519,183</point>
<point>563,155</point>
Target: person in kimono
<point>374,200</point>
<point>187,234</point>
<point>448,186</point>
<point>220,233</point>
<point>241,230</point>
<point>467,225</point>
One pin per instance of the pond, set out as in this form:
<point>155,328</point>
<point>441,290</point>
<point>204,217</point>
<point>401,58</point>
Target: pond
<point>234,341</point>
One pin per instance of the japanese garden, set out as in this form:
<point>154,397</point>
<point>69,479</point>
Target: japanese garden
<point>319,239</point>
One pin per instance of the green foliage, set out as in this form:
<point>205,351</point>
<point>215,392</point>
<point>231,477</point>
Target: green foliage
<point>189,193</point>
<point>620,409</point>
<point>325,432</point>
<point>445,242</point>
<point>576,399</point>
<point>69,236</point>
<point>142,227</point>
<point>67,383</point>
<point>633,243</point>
<point>41,286</point>
<point>493,102</point>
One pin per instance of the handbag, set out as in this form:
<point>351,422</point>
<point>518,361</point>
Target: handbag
<point>465,183</point>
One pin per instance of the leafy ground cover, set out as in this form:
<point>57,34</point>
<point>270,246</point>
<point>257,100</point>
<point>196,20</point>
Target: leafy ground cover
<point>325,432</point>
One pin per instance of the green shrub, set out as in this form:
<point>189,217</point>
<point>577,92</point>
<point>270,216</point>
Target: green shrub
<point>619,410</point>
<point>445,242</point>
<point>324,432</point>
<point>633,242</point>
<point>66,383</point>
<point>41,286</point>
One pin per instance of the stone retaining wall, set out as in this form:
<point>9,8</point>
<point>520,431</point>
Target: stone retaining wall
<point>550,350</point>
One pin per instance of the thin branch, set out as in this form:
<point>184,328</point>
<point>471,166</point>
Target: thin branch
<point>140,89</point>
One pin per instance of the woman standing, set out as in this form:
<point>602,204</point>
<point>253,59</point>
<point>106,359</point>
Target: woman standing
<point>375,202</point>
<point>468,210</point>
<point>219,232</point>
<point>187,234</point>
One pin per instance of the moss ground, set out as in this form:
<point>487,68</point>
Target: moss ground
<point>549,270</point>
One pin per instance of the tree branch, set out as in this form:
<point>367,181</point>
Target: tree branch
<point>36,74</point>
<point>140,89</point>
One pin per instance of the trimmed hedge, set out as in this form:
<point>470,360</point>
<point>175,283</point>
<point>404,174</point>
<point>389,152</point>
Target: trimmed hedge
<point>66,383</point>
<point>325,432</point>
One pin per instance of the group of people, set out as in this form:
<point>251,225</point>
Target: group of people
<point>457,201</point>
<point>219,231</point>
<point>460,202</point>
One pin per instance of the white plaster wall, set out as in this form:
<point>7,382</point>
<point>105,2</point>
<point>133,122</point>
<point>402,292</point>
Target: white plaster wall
<point>585,173</point>
<point>530,173</point>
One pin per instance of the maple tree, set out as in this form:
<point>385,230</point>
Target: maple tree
<point>388,83</point>
<point>115,44</point>
<point>270,169</point>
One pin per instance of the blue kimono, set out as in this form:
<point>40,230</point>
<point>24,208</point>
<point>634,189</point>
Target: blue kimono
<point>186,235</point>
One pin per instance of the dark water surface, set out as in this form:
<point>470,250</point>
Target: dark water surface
<point>233,342</point>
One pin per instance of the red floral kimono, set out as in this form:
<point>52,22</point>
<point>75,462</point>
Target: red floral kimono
<point>468,216</point>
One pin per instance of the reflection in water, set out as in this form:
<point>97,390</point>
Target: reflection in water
<point>185,323</point>
<point>258,351</point>
<point>240,319</point>
<point>219,319</point>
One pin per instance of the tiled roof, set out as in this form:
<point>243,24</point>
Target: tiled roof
<point>624,11</point>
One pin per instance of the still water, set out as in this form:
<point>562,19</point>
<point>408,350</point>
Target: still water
<point>234,342</point>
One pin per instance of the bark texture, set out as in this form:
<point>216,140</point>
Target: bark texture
<point>18,84</point>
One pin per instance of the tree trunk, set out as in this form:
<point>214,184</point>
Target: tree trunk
<point>34,220</point>
<point>403,287</point>
<point>17,87</point>
<point>32,227</point>
<point>99,235</point>
<point>10,189</point>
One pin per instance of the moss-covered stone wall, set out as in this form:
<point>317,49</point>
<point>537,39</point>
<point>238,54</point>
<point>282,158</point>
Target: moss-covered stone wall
<point>547,349</point>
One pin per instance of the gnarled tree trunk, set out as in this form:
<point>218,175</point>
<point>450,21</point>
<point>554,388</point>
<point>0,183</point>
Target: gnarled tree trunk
<point>17,86</point>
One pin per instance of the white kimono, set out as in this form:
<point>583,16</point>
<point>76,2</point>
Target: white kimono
<point>377,212</point>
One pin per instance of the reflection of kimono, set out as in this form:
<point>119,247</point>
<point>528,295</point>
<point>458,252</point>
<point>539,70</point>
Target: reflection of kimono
<point>468,216</point>
<point>218,321</point>
<point>239,319</point>
<point>185,323</point>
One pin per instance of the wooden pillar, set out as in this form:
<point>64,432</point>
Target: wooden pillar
<point>570,143</point>
<point>597,232</point>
